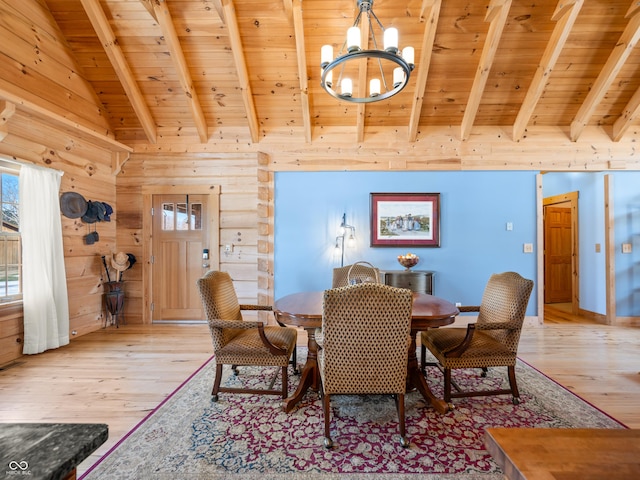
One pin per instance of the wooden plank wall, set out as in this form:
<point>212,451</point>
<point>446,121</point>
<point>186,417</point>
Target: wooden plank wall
<point>87,170</point>
<point>37,65</point>
<point>51,117</point>
<point>237,176</point>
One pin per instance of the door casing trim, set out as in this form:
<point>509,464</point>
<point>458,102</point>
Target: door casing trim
<point>148,191</point>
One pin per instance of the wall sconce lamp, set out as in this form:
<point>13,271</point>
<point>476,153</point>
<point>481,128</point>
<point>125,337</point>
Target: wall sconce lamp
<point>348,232</point>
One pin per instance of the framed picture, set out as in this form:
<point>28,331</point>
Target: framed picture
<point>405,219</point>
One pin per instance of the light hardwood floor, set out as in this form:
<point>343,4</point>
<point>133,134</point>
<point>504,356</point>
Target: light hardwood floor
<point>118,375</point>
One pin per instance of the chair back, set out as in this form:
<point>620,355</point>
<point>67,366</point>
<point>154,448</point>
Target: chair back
<point>358,272</point>
<point>220,302</point>
<point>366,331</point>
<point>505,299</point>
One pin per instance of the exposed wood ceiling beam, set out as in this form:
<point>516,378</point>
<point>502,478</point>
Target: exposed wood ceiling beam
<point>430,10</point>
<point>565,16</point>
<point>298,28</point>
<point>632,111</point>
<point>496,14</point>
<point>109,42</point>
<point>241,67</point>
<point>607,75</point>
<point>182,68</point>
<point>629,115</point>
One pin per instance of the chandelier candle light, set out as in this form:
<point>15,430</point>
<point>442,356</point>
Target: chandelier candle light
<point>351,55</point>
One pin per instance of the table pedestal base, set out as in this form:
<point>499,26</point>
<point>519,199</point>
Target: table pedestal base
<point>416,380</point>
<point>310,377</point>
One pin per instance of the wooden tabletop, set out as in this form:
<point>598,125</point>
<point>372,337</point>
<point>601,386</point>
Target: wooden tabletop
<point>565,453</point>
<point>304,309</point>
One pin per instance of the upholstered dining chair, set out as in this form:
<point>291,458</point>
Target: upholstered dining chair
<point>364,346</point>
<point>492,341</point>
<point>358,272</point>
<point>239,342</point>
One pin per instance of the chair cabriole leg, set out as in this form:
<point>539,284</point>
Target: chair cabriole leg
<point>285,382</point>
<point>328,443</point>
<point>514,385</point>
<point>404,441</point>
<point>216,383</point>
<point>447,385</point>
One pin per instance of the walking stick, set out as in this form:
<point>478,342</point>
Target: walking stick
<point>106,269</point>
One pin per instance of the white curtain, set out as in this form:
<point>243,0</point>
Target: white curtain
<point>44,285</point>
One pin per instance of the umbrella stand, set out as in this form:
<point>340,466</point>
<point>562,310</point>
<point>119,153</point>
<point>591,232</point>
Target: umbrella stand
<point>114,301</point>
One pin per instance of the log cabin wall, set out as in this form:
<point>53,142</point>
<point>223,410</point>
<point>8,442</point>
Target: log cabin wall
<point>88,171</point>
<point>235,174</point>
<point>49,117</point>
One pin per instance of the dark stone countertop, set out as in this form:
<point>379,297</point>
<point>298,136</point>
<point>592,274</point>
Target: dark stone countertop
<point>47,451</point>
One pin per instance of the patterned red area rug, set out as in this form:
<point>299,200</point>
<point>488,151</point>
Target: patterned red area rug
<point>250,437</point>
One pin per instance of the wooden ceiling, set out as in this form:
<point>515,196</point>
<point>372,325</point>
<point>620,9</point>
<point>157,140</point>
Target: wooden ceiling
<point>197,70</point>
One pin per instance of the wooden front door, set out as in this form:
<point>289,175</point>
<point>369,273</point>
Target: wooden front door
<point>180,237</point>
<point>558,254</point>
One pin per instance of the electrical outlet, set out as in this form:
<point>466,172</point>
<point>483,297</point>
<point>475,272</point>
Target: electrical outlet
<point>509,226</point>
<point>458,304</point>
<point>528,248</point>
<point>626,248</point>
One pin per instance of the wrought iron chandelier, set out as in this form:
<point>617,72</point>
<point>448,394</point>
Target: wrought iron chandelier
<point>352,59</point>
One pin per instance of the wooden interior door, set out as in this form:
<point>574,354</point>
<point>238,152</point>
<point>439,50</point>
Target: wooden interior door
<point>180,237</point>
<point>558,254</point>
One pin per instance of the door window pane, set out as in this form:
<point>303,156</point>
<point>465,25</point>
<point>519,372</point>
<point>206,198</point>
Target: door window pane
<point>196,216</point>
<point>181,216</point>
<point>182,221</point>
<point>168,216</point>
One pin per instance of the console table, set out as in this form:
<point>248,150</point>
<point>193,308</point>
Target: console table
<point>48,451</point>
<point>420,281</point>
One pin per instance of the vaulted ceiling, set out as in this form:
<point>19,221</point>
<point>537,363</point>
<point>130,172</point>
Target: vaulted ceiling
<point>197,70</point>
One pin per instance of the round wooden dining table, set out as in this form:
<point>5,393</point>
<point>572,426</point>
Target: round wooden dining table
<point>304,310</point>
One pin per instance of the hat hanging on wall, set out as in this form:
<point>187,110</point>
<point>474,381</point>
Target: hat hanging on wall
<point>91,237</point>
<point>108,211</point>
<point>120,261</point>
<point>91,215</point>
<point>73,205</point>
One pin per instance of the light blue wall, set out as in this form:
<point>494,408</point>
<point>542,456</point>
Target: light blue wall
<point>591,218</point>
<point>626,205</point>
<point>475,208</point>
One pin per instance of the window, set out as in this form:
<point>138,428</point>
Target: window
<point>10,247</point>
<point>176,216</point>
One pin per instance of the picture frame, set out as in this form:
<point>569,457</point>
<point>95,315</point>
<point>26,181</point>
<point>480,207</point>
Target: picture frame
<point>405,219</point>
